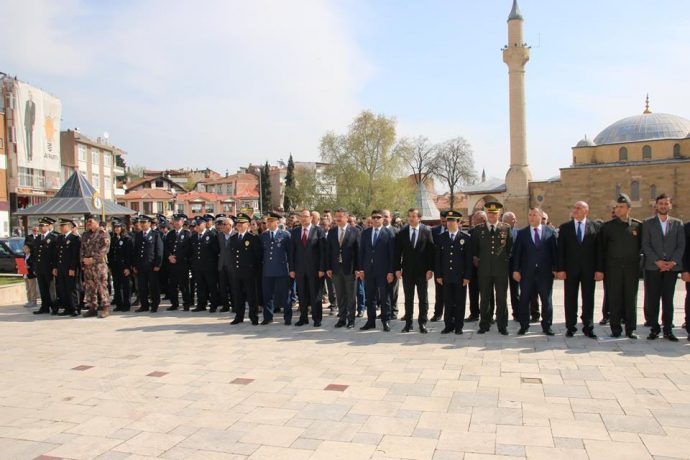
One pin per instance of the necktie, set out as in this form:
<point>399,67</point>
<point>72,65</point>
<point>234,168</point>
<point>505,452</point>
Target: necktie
<point>376,236</point>
<point>241,235</point>
<point>537,240</point>
<point>304,237</point>
<point>272,237</point>
<point>492,230</point>
<point>341,235</point>
<point>579,232</point>
<point>452,237</point>
<point>414,237</point>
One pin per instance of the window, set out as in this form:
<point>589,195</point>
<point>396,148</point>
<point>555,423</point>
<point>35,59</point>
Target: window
<point>623,154</point>
<point>196,208</point>
<point>652,192</point>
<point>180,209</point>
<point>159,183</point>
<point>646,152</point>
<point>209,208</point>
<point>134,206</point>
<point>107,159</point>
<point>96,180</point>
<point>160,208</point>
<point>147,207</point>
<point>95,156</point>
<point>108,184</point>
<point>616,192</point>
<point>634,191</point>
<point>676,151</point>
<point>82,152</point>
<point>227,207</point>
<point>26,177</point>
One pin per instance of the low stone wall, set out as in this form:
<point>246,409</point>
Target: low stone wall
<point>12,294</point>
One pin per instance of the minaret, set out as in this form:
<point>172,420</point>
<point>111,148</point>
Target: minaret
<point>516,55</point>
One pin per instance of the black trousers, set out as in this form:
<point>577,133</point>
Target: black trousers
<point>244,291</point>
<point>225,287</point>
<point>376,287</point>
<point>455,295</point>
<point>122,287</point>
<point>621,286</point>
<point>207,287</point>
<point>439,299</point>
<point>44,280</point>
<point>178,281</point>
<point>542,284</point>
<point>574,284</point>
<point>309,293</point>
<point>66,287</point>
<point>659,288</point>
<point>149,288</point>
<point>410,283</point>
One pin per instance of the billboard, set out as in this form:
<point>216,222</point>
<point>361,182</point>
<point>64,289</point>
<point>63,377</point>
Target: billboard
<point>37,128</point>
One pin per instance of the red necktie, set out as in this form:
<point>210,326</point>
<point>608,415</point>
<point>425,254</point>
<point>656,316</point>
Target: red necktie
<point>304,237</point>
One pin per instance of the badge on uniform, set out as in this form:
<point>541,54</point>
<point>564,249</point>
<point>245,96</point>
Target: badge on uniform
<point>207,238</point>
<point>67,242</point>
<point>462,242</point>
<point>634,233</point>
<point>121,243</point>
<point>150,238</point>
<point>48,241</point>
<point>181,237</point>
<point>246,243</point>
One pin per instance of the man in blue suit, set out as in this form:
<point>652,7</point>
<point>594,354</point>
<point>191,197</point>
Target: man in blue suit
<point>276,279</point>
<point>535,262</point>
<point>342,245</point>
<point>375,267</point>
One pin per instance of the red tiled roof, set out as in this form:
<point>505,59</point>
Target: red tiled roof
<point>239,177</point>
<point>147,194</point>
<point>206,196</point>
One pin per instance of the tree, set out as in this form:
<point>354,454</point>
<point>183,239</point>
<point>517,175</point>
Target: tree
<point>455,165</point>
<point>421,157</point>
<point>289,184</point>
<point>265,188</point>
<point>135,172</point>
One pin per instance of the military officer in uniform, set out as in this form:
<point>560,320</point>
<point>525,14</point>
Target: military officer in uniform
<point>177,253</point>
<point>245,257</point>
<point>120,263</point>
<point>492,245</point>
<point>66,268</point>
<point>620,244</point>
<point>275,269</point>
<point>42,253</point>
<point>205,265</point>
<point>453,270</point>
<point>147,261</point>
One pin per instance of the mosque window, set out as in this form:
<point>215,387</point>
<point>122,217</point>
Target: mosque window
<point>652,192</point>
<point>646,152</point>
<point>676,151</point>
<point>623,154</point>
<point>634,190</point>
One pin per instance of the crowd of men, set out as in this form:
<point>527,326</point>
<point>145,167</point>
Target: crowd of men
<point>240,263</point>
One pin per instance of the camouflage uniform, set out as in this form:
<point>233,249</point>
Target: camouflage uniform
<point>96,245</point>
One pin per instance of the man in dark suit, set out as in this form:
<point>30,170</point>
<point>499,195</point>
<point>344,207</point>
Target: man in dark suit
<point>453,268</point>
<point>577,263</point>
<point>438,293</point>
<point>275,269</point>
<point>375,267</point>
<point>147,260</point>
<point>245,257</point>
<point>308,266</point>
<point>66,268</point>
<point>414,263</point>
<point>178,252</point>
<point>43,253</point>
<point>663,245</point>
<point>120,264</point>
<point>535,259</point>
<point>205,265</point>
<point>342,246</point>
<point>393,288</point>
<point>225,231</point>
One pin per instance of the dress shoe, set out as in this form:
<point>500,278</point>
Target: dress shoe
<point>199,309</point>
<point>482,331</point>
<point>591,335</point>
<point>671,337</point>
<point>447,330</point>
<point>522,331</point>
<point>615,335</point>
<point>141,309</point>
<point>503,331</point>
<point>435,318</point>
<point>236,321</point>
<point>266,321</point>
<point>386,326</point>
<point>407,328</point>
<point>367,326</point>
<point>458,331</point>
<point>227,309</point>
<point>359,314</point>
<point>301,323</point>
<point>64,312</point>
<point>288,322</point>
<point>569,334</point>
<point>632,335</point>
<point>340,323</point>
<point>41,312</point>
<point>74,314</point>
<point>154,309</point>
<point>317,323</point>
<point>423,329</point>
<point>171,308</point>
<point>652,336</point>
<point>603,322</point>
<point>549,332</point>
<point>54,311</point>
<point>471,319</point>
<point>350,324</point>
<point>213,310</point>
<point>255,322</point>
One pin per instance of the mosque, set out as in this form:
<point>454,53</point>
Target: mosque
<point>642,155</point>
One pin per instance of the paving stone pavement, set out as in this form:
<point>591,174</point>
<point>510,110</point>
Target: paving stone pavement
<point>182,385</point>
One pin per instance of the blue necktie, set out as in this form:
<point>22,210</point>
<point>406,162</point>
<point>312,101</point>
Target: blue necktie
<point>537,240</point>
<point>414,237</point>
<point>579,232</point>
<point>376,236</point>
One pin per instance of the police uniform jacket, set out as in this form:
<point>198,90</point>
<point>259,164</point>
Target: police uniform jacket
<point>148,250</point>
<point>67,253</point>
<point>493,251</point>
<point>620,244</point>
<point>454,258</point>
<point>120,254</point>
<point>204,251</point>
<point>276,253</point>
<point>178,243</point>
<point>43,253</point>
<point>245,255</point>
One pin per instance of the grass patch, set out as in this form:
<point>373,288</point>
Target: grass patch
<point>5,280</point>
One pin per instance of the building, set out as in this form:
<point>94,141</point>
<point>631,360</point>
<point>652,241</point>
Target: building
<point>199,203</point>
<point>98,160</point>
<point>152,195</point>
<point>185,177</point>
<point>242,188</point>
<point>4,196</point>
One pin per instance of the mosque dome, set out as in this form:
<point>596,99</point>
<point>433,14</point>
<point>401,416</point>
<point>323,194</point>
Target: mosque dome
<point>648,126</point>
<point>586,142</point>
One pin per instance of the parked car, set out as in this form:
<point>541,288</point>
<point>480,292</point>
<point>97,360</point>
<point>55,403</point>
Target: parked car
<point>10,250</point>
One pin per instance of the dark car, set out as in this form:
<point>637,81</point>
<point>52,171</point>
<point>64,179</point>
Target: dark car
<point>10,250</point>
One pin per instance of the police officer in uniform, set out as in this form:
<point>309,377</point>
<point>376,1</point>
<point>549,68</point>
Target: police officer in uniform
<point>163,277</point>
<point>148,258</point>
<point>453,271</point>
<point>66,267</point>
<point>275,270</point>
<point>492,245</point>
<point>205,265</point>
<point>245,256</point>
<point>178,251</point>
<point>42,253</point>
<point>620,244</point>
<point>120,263</point>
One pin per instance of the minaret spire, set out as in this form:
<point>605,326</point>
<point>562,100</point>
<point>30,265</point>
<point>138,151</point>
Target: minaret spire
<point>515,12</point>
<point>646,105</point>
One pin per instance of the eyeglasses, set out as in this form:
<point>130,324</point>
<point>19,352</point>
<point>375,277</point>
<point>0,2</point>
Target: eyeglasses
<point>377,217</point>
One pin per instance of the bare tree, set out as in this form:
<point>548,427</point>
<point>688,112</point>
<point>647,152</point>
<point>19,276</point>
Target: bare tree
<point>455,165</point>
<point>421,156</point>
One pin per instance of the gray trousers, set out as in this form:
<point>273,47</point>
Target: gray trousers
<point>345,290</point>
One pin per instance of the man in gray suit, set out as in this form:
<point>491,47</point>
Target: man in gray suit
<point>663,244</point>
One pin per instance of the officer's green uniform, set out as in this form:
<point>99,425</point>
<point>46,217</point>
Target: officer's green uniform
<point>619,259</point>
<point>491,255</point>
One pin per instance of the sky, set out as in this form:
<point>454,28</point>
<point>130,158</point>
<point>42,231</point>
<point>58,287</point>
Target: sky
<point>221,83</point>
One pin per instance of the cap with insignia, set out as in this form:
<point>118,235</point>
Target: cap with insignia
<point>179,217</point>
<point>199,220</point>
<point>453,215</point>
<point>623,198</point>
<point>270,215</point>
<point>45,221</point>
<point>243,218</point>
<point>220,217</point>
<point>161,219</point>
<point>444,214</point>
<point>144,218</point>
<point>207,217</point>
<point>493,207</point>
<point>95,217</point>
<point>117,222</point>
<point>67,222</point>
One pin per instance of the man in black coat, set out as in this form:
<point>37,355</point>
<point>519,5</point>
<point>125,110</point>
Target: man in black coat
<point>577,263</point>
<point>436,232</point>
<point>308,266</point>
<point>343,248</point>
<point>66,267</point>
<point>178,252</point>
<point>414,263</point>
<point>245,258</point>
<point>120,264</point>
<point>147,261</point>
<point>204,256</point>
<point>42,253</point>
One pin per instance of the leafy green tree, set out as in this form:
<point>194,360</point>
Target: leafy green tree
<point>265,188</point>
